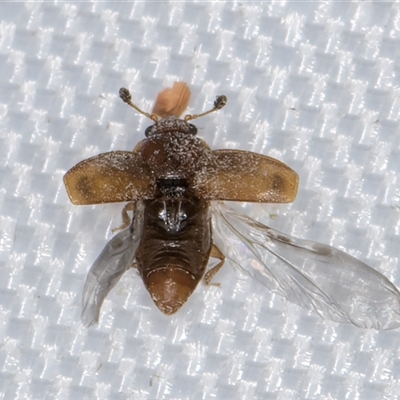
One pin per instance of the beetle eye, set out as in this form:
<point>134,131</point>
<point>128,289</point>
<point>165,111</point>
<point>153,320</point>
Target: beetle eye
<point>147,131</point>
<point>192,129</point>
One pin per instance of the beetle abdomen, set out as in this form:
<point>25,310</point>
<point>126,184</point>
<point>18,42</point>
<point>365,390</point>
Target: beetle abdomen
<point>175,246</point>
<point>170,287</point>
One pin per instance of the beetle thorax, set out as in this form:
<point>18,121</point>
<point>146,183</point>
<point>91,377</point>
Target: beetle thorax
<point>173,154</point>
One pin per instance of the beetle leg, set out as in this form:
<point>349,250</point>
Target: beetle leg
<point>126,219</point>
<point>216,253</point>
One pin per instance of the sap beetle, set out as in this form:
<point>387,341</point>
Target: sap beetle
<point>174,184</point>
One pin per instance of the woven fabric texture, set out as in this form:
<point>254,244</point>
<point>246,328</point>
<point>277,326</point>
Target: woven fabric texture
<point>313,84</point>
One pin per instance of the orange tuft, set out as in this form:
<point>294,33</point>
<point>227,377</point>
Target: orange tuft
<point>172,102</point>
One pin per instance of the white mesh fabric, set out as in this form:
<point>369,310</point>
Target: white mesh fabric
<point>314,84</point>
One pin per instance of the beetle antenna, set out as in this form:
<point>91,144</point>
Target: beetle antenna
<point>126,97</point>
<point>219,102</point>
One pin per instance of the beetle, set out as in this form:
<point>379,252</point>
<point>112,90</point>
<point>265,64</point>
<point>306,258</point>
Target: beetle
<point>175,185</point>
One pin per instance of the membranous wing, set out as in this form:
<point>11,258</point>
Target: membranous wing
<point>312,275</point>
<point>116,258</point>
